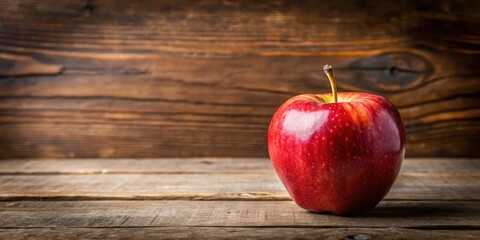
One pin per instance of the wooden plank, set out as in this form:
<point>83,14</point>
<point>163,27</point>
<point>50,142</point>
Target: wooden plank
<point>233,232</point>
<point>139,186</point>
<point>138,166</point>
<point>230,186</point>
<point>208,178</point>
<point>404,214</point>
<point>114,79</point>
<point>201,165</point>
<point>441,165</point>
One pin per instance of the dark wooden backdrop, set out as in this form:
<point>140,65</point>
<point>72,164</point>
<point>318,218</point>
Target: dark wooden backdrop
<point>203,77</point>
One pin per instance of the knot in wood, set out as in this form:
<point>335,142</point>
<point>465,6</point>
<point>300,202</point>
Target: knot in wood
<point>359,237</point>
<point>390,71</point>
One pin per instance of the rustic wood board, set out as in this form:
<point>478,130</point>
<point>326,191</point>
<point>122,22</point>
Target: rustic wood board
<point>222,198</point>
<point>236,233</point>
<point>200,165</point>
<point>116,79</point>
<point>147,166</point>
<point>405,214</point>
<point>447,186</point>
<point>210,179</point>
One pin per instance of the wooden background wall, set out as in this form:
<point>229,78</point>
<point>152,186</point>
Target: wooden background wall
<point>203,77</point>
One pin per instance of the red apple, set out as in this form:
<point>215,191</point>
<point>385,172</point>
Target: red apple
<point>335,156</point>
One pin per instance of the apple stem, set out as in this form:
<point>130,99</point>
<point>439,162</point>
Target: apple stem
<point>329,72</point>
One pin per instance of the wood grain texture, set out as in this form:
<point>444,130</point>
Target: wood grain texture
<point>211,198</point>
<point>160,166</point>
<point>119,79</point>
<point>201,166</point>
<point>213,187</point>
<point>404,214</point>
<point>236,232</point>
<point>209,179</point>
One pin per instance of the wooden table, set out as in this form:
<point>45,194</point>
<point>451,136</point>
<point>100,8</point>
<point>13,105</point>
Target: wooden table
<point>222,198</point>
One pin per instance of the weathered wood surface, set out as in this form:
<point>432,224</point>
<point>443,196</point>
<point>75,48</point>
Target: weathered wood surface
<point>209,198</point>
<point>201,165</point>
<point>446,186</point>
<point>209,179</point>
<point>137,79</point>
<point>405,214</point>
<point>238,233</point>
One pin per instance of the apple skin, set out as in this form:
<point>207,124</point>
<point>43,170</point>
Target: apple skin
<point>340,158</point>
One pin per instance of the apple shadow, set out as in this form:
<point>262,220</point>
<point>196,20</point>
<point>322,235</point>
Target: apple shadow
<point>410,211</point>
<point>413,211</point>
